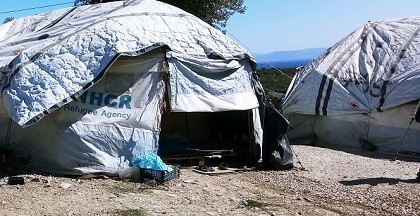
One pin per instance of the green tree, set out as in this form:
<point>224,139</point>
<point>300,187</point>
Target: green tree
<point>214,12</point>
<point>8,19</point>
<point>275,82</point>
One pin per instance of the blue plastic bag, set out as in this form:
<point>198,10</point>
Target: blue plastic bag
<point>151,161</point>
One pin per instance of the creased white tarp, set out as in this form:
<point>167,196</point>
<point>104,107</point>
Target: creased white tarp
<point>375,67</point>
<point>362,90</point>
<point>58,54</point>
<point>207,85</point>
<point>114,121</point>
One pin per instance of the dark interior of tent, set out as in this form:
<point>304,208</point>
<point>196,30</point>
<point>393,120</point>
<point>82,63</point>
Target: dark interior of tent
<point>197,134</point>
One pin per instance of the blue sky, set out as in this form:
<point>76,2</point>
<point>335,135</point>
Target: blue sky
<point>274,25</point>
<point>12,5</point>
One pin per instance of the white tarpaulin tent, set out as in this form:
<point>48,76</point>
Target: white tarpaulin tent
<point>88,83</point>
<point>363,90</point>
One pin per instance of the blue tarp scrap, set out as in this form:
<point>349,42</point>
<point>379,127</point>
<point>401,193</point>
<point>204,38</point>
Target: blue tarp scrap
<point>151,161</point>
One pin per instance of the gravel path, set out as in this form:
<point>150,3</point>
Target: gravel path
<point>332,183</point>
<point>349,184</point>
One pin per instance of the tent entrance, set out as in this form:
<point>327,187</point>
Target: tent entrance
<point>198,134</point>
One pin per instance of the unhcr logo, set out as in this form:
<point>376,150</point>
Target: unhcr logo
<point>100,99</point>
<point>109,100</point>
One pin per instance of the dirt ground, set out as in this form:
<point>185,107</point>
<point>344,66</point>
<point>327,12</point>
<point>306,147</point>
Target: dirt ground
<point>331,183</point>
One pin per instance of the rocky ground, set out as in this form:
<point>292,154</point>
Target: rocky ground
<point>323,182</point>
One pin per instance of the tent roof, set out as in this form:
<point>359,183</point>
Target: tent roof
<point>52,58</point>
<point>376,67</point>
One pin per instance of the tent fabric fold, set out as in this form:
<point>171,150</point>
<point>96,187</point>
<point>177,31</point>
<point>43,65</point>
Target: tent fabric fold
<point>359,87</point>
<point>210,85</point>
<point>50,58</point>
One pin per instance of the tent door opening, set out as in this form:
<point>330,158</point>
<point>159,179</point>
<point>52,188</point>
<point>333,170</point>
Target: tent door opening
<point>198,134</point>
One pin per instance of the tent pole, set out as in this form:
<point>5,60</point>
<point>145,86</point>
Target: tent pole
<point>9,128</point>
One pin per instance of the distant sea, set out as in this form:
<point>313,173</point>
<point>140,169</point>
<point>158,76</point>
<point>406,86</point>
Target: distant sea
<point>283,64</point>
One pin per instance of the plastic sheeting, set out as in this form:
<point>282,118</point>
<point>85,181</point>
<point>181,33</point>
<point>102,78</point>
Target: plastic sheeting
<point>114,121</point>
<point>277,152</point>
<point>151,161</point>
<point>207,85</point>
<point>52,58</point>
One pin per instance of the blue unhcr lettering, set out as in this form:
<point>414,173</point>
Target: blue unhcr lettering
<point>125,99</point>
<point>109,100</point>
<point>93,97</point>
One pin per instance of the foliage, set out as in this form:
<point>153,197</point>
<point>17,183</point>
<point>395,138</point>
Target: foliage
<point>253,204</point>
<point>275,82</point>
<point>214,12</point>
<point>131,212</point>
<point>8,19</point>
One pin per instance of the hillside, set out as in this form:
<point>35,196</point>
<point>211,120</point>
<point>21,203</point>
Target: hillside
<point>277,69</point>
<point>291,55</point>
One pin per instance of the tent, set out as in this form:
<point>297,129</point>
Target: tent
<point>362,92</point>
<point>91,88</point>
